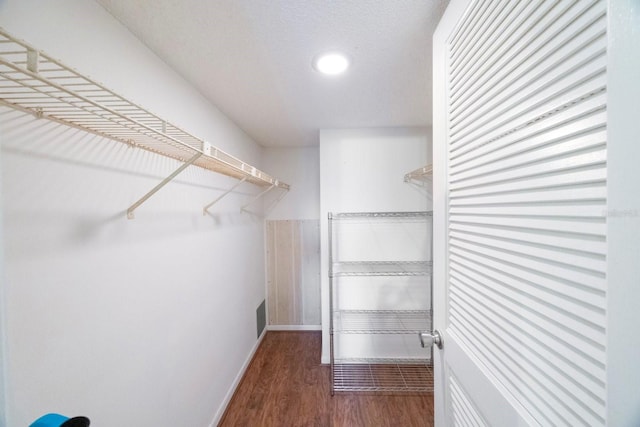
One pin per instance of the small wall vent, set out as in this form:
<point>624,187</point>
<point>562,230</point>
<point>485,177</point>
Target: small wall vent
<point>261,317</point>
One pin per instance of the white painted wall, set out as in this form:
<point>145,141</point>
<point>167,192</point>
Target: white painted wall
<point>362,170</point>
<point>145,322</point>
<point>299,166</point>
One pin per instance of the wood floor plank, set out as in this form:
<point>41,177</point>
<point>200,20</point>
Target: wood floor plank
<point>285,385</point>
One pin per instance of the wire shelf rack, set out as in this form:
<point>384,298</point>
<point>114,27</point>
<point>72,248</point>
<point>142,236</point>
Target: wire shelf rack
<point>36,83</point>
<point>356,366</point>
<point>381,268</point>
<point>382,361</point>
<point>354,215</point>
<point>388,377</point>
<point>381,321</point>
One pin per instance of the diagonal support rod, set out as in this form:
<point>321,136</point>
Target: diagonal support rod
<point>421,174</point>
<point>275,202</point>
<point>206,208</point>
<point>130,211</point>
<point>244,208</point>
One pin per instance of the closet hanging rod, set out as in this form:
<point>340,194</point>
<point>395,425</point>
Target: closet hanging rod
<point>31,81</point>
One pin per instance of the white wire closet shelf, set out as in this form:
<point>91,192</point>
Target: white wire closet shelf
<point>33,82</point>
<point>421,174</point>
<point>381,268</point>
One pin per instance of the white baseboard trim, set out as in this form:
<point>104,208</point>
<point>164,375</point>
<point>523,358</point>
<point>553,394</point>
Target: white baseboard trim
<point>218,416</point>
<point>294,327</point>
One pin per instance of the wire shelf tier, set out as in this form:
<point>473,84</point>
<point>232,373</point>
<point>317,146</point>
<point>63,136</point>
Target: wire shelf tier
<point>395,378</point>
<point>34,82</point>
<point>381,321</point>
<point>421,174</point>
<point>381,268</point>
<point>354,215</point>
<point>382,361</point>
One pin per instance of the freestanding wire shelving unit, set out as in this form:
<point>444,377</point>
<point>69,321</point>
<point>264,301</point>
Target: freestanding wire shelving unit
<point>384,310</point>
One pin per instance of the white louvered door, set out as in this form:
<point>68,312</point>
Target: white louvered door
<point>520,201</point>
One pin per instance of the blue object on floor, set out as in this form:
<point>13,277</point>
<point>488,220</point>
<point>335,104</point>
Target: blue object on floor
<point>50,420</point>
<point>57,420</point>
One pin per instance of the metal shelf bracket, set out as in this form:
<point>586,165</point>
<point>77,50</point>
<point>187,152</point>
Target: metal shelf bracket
<point>421,174</point>
<point>244,208</point>
<point>275,201</point>
<point>33,58</point>
<point>154,190</point>
<point>205,210</point>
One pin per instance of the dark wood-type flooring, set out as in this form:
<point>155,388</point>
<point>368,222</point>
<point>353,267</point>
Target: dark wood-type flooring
<point>285,385</point>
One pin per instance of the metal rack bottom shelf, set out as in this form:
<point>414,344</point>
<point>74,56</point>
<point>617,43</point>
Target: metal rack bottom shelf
<point>384,378</point>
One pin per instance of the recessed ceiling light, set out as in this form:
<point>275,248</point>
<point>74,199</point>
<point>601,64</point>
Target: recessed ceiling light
<point>331,63</point>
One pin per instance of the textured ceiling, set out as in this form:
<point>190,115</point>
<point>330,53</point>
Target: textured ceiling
<point>252,58</point>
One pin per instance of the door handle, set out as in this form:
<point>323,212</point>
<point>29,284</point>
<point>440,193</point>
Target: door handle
<point>428,339</point>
